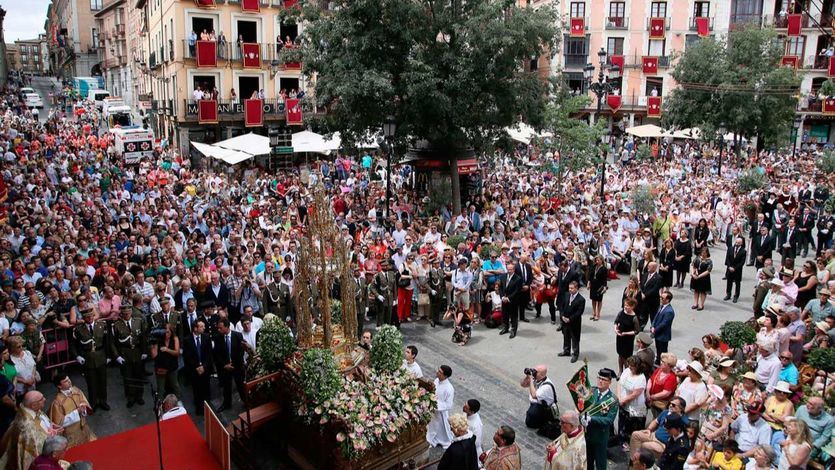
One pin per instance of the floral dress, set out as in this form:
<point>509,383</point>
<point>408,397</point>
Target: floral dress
<point>742,398</point>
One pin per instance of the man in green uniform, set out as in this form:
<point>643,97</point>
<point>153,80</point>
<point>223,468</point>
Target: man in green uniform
<point>92,342</point>
<point>678,447</point>
<point>599,423</point>
<point>166,316</point>
<point>130,341</point>
<point>384,289</point>
<point>437,291</point>
<point>361,294</point>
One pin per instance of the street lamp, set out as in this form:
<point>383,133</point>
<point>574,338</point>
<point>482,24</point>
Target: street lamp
<point>602,87</point>
<point>389,129</point>
<point>605,138</point>
<point>274,138</point>
<point>798,121</point>
<point>721,131</point>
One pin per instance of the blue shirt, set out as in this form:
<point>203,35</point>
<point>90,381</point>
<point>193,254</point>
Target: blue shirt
<point>661,433</point>
<point>789,374</point>
<point>489,265</point>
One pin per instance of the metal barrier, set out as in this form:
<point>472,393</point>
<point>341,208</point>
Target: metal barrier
<point>57,348</point>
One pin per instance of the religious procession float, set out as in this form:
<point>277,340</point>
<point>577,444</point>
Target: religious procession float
<point>345,407</point>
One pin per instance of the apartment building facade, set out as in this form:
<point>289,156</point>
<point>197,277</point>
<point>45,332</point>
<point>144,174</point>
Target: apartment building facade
<point>31,55</point>
<point>72,36</point>
<point>114,46</point>
<point>241,57</point>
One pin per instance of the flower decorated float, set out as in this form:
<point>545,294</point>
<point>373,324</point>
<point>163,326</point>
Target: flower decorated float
<point>345,408</point>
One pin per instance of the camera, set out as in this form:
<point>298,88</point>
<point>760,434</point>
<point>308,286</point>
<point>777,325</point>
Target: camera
<point>530,371</point>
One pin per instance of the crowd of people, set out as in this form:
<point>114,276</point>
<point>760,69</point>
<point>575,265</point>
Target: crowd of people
<point>178,265</point>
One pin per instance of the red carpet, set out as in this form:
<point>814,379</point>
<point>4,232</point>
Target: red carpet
<point>183,448</point>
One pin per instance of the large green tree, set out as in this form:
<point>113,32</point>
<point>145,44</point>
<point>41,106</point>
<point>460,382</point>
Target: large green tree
<point>449,71</point>
<point>736,80</point>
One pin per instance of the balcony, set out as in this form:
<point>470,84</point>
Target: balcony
<point>667,22</point>
<point>576,60</point>
<point>123,60</point>
<point>692,23</point>
<point>743,20</point>
<point>111,62</point>
<point>818,62</point>
<point>636,61</point>
<point>232,110</point>
<point>617,22</point>
<point>270,54</point>
<point>119,30</point>
<point>152,60</point>
<point>782,21</point>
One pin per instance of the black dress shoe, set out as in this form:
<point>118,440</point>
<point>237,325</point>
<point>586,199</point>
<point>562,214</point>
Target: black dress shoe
<point>140,401</point>
<point>735,299</point>
<point>432,323</point>
<point>727,297</point>
<point>104,406</point>
<point>564,354</point>
<point>559,328</point>
<point>512,334</point>
<point>524,320</point>
<point>503,331</point>
<point>573,359</point>
<point>130,404</point>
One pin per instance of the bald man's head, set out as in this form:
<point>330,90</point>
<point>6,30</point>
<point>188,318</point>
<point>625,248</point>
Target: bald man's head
<point>34,400</point>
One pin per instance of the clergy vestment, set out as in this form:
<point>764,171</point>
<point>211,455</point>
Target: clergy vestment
<point>503,458</point>
<point>65,411</point>
<point>438,430</point>
<point>570,453</point>
<point>23,441</point>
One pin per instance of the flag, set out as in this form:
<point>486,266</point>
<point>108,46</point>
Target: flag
<point>205,3</point>
<point>253,113</point>
<point>794,23</point>
<point>580,389</point>
<point>251,52</point>
<point>789,61</point>
<point>251,6</point>
<point>207,111</point>
<point>206,54</point>
<point>578,27</point>
<point>654,106</point>
<point>614,102</point>
<point>290,3</point>
<point>657,26</point>
<point>831,67</point>
<point>294,112</point>
<point>829,105</point>
<point>617,60</point>
<point>650,65</point>
<point>703,26</point>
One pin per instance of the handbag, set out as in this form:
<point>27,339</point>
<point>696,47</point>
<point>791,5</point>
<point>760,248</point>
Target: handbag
<point>403,283</point>
<point>423,299</point>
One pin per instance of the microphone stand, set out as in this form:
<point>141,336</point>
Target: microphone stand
<point>156,403</point>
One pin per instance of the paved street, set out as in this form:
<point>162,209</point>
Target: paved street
<point>490,367</point>
<point>44,86</point>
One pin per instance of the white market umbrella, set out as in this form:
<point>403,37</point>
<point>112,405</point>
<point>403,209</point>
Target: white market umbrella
<point>645,131</point>
<point>251,143</point>
<point>232,157</point>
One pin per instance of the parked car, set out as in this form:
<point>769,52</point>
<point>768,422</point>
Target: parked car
<point>33,100</point>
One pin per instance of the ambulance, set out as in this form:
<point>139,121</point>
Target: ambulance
<point>133,143</point>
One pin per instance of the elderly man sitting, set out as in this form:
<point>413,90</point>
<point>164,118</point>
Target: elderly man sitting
<point>53,449</point>
<point>820,424</point>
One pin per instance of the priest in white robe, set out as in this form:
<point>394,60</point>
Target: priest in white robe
<point>438,431</point>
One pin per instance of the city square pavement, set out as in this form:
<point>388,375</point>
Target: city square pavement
<point>490,367</point>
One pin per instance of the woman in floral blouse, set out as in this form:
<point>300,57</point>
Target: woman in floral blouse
<point>746,392</point>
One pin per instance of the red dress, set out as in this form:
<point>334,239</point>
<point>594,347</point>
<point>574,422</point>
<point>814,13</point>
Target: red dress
<point>404,298</point>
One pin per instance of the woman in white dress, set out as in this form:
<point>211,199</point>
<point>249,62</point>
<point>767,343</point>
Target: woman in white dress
<point>796,448</point>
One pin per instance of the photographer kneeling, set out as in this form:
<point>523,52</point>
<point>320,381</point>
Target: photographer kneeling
<point>543,412</point>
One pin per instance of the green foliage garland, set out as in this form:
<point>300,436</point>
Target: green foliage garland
<point>336,311</point>
<point>387,349</point>
<point>737,334</point>
<point>275,344</point>
<point>454,240</point>
<point>826,163</point>
<point>823,359</point>
<point>319,376</point>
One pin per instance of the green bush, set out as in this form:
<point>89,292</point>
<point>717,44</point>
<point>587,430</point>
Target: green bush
<point>319,376</point>
<point>275,344</point>
<point>737,334</point>
<point>827,88</point>
<point>750,180</point>
<point>643,201</point>
<point>454,240</point>
<point>387,349</point>
<point>826,163</point>
<point>336,311</point>
<point>822,359</point>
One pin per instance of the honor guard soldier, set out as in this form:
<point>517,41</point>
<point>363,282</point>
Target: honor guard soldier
<point>599,418</point>
<point>361,294</point>
<point>130,341</point>
<point>384,289</point>
<point>166,316</point>
<point>91,343</point>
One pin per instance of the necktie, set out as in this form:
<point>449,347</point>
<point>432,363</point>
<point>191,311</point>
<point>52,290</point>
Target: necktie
<point>736,251</point>
<point>91,328</point>
<point>199,352</point>
<point>229,348</point>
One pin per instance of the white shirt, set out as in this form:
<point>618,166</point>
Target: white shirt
<point>475,426</point>
<point>629,383</point>
<point>413,369</point>
<point>544,393</point>
<point>173,413</point>
<point>445,393</point>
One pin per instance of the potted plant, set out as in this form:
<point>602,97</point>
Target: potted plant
<point>737,334</point>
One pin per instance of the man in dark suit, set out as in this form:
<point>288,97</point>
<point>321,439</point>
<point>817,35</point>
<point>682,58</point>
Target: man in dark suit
<point>184,292</point>
<point>805,226</point>
<point>763,246</point>
<point>662,325</point>
<point>198,362</point>
<point>229,361</point>
<point>361,293</point>
<point>788,241</point>
<point>217,292</point>
<point>525,272</point>
<point>188,317</point>
<point>572,319</point>
<point>511,296</point>
<point>565,277</point>
<point>650,295</point>
<point>754,233</point>
<point>734,261</point>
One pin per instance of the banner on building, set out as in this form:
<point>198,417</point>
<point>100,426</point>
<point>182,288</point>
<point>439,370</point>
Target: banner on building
<point>614,102</point>
<point>830,66</point>
<point>207,111</point>
<point>650,65</point>
<point>294,112</point>
<point>657,28</point>
<point>205,3</point>
<point>206,53</point>
<point>253,113</point>
<point>578,27</point>
<point>789,61</point>
<point>654,106</point>
<point>828,106</point>
<point>251,52</point>
<point>794,23</point>
<point>290,3</point>
<point>251,6</point>
<point>703,26</point>
<point>617,60</point>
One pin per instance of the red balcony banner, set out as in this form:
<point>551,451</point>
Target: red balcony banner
<point>794,23</point>
<point>290,3</point>
<point>253,113</point>
<point>294,112</point>
<point>657,27</point>
<point>251,52</point>
<point>789,61</point>
<point>828,105</point>
<point>830,67</point>
<point>206,54</point>
<point>650,65</point>
<point>614,102</point>
<point>654,106</point>
<point>251,6</point>
<point>207,111</point>
<point>205,3</point>
<point>703,26</point>
<point>578,27</point>
<point>617,60</point>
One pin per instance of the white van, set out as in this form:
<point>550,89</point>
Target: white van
<point>98,97</point>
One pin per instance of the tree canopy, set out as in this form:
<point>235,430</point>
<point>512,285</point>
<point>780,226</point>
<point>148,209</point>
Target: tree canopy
<point>737,81</point>
<point>450,72</point>
<point>576,141</point>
